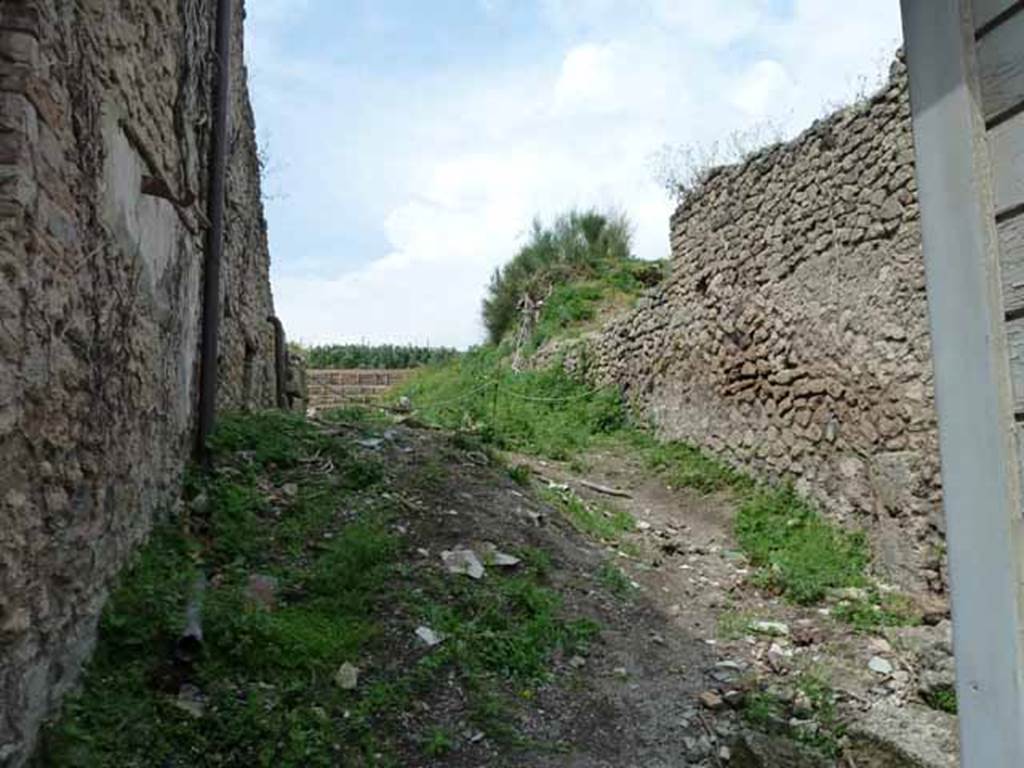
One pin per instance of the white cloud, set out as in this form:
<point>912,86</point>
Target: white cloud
<point>765,84</point>
<point>587,81</point>
<point>451,168</point>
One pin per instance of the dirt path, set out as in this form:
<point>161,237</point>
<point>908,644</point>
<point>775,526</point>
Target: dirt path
<point>382,595</point>
<point>684,559</point>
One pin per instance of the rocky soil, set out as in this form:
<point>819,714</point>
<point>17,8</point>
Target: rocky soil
<point>887,684</point>
<point>488,627</point>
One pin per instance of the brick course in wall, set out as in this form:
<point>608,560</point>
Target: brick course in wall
<point>99,309</point>
<point>792,336</point>
<point>336,388</point>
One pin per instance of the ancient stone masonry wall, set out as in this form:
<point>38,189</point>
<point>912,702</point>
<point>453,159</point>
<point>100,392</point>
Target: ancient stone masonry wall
<point>792,335</point>
<point>104,136</point>
<point>336,388</point>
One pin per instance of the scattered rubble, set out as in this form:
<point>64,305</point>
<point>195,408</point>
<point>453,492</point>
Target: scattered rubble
<point>463,561</point>
<point>347,677</point>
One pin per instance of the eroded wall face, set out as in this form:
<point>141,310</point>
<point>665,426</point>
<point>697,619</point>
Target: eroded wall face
<point>792,337</point>
<point>100,286</point>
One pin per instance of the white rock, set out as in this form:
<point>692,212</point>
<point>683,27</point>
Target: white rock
<point>774,628</point>
<point>501,559</point>
<point>880,666</point>
<point>347,677</point>
<point>463,561</point>
<point>429,636</point>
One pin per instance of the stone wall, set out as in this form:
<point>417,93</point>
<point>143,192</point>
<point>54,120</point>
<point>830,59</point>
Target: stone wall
<point>99,308</point>
<point>792,336</point>
<point>336,388</point>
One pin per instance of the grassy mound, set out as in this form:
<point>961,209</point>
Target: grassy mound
<point>574,267</point>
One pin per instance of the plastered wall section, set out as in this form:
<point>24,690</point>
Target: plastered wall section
<point>104,115</point>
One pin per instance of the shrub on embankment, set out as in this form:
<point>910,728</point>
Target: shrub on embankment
<point>387,356</point>
<point>567,270</point>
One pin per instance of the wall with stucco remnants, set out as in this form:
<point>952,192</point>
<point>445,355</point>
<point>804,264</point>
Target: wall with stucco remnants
<point>99,308</point>
<point>792,336</point>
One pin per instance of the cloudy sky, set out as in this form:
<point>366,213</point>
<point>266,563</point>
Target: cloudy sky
<point>411,142</point>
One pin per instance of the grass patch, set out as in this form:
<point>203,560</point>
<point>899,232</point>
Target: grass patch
<point>438,742</point>
<point>601,521</point>
<point>815,723</point>
<point>547,413</point>
<point>685,466</point>
<point>614,580</point>
<point>266,677</point>
<point>798,553</point>
<point>567,265</point>
<point>520,474</point>
<point>942,699</point>
<point>877,610</point>
<point>732,625</point>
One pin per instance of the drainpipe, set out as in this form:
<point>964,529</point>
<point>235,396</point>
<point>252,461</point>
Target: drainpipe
<point>215,233</point>
<point>280,362</point>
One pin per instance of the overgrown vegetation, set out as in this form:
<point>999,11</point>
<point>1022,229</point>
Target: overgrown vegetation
<point>294,508</point>
<point>799,553</point>
<point>796,551</point>
<point>390,356</point>
<point>581,261</point>
<point>544,412</point>
<point>685,466</point>
<point>599,521</point>
<point>808,714</point>
<point>683,169</point>
<point>942,699</point>
<point>876,609</point>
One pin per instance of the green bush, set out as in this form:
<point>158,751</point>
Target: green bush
<point>579,246</point>
<point>389,356</point>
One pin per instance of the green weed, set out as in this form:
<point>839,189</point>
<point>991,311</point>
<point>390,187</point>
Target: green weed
<point>521,474</point>
<point>544,412</point>
<point>600,521</point>
<point>819,727</point>
<point>438,742</point>
<point>877,610</point>
<point>942,699</point>
<point>614,580</point>
<point>685,466</point>
<point>798,553</point>
<point>580,245</point>
<point>733,625</point>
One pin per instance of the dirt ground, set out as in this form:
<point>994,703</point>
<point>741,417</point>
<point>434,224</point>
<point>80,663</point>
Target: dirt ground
<point>493,627</point>
<point>669,680</point>
<point>633,700</point>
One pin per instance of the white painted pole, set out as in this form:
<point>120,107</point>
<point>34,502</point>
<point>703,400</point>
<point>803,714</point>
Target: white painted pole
<point>980,472</point>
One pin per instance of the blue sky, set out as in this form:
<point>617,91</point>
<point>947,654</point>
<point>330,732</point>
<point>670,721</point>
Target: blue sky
<point>411,142</point>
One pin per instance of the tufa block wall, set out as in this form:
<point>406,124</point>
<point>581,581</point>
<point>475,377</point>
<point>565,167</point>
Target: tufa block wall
<point>100,308</point>
<point>792,335</point>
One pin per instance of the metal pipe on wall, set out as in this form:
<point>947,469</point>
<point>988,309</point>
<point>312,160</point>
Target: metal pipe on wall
<point>215,233</point>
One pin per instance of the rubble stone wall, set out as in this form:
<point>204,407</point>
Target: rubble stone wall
<point>792,336</point>
<point>100,308</point>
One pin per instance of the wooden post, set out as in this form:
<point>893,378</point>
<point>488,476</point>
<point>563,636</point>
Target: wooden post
<point>966,63</point>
